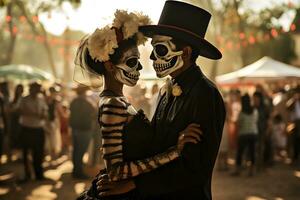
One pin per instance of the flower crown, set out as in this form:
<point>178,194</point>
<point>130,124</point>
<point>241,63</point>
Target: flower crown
<point>104,41</point>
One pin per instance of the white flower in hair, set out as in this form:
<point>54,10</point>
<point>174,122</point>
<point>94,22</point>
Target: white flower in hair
<point>127,21</point>
<point>143,20</point>
<point>102,43</point>
<point>130,22</point>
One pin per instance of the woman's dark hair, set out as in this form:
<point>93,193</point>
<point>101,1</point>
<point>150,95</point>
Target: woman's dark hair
<point>98,67</point>
<point>246,104</point>
<point>277,119</point>
<point>260,96</point>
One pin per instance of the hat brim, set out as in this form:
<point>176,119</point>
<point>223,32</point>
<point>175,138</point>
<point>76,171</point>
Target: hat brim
<point>205,48</point>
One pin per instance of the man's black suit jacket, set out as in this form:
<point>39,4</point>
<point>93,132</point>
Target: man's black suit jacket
<point>189,177</point>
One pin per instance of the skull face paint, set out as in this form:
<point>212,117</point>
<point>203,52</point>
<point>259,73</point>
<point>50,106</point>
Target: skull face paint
<point>128,68</point>
<point>164,55</point>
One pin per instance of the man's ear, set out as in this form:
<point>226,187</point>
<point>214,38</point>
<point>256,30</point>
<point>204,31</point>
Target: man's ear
<point>187,52</point>
<point>108,66</point>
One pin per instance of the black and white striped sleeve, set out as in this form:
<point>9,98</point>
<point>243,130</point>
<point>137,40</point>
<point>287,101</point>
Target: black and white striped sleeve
<point>113,117</point>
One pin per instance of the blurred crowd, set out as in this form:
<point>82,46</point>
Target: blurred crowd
<point>262,128</point>
<point>39,121</point>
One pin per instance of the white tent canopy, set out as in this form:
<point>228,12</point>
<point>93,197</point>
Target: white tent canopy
<point>264,69</point>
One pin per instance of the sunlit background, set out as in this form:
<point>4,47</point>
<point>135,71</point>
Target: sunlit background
<point>40,37</point>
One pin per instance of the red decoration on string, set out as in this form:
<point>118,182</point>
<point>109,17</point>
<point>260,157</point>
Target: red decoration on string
<point>293,27</point>
<point>252,40</point>
<point>15,30</point>
<point>53,41</point>
<point>222,50</point>
<point>28,36</point>
<point>229,45</point>
<point>274,33</point>
<point>35,19</point>
<point>242,36</point>
<point>244,43</point>
<point>290,4</point>
<point>220,39</point>
<point>40,39</point>
<point>8,18</point>
<point>267,37</point>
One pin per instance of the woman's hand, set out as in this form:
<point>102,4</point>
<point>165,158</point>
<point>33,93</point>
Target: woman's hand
<point>191,134</point>
<point>107,188</point>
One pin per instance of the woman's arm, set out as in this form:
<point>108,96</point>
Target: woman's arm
<point>113,116</point>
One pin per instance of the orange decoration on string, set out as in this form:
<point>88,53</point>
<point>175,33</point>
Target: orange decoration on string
<point>40,39</point>
<point>35,19</point>
<point>61,51</point>
<point>229,45</point>
<point>22,18</point>
<point>267,37</point>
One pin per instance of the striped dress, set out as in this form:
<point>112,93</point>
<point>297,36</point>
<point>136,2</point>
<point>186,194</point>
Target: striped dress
<point>113,116</point>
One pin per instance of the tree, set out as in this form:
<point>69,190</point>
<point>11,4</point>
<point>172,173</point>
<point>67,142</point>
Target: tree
<point>29,10</point>
<point>253,33</point>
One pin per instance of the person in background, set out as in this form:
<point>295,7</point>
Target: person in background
<point>247,134</point>
<point>264,140</point>
<point>82,118</point>
<point>224,146</point>
<point>234,109</point>
<point>293,105</point>
<point>153,100</point>
<point>143,102</point>
<point>33,114</point>
<point>52,123</point>
<point>15,126</point>
<point>5,95</point>
<point>64,117</point>
<point>2,126</point>
<point>279,136</point>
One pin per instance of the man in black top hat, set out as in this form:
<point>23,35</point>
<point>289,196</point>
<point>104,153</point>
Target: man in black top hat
<point>177,40</point>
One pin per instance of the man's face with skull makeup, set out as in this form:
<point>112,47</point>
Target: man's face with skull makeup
<point>128,67</point>
<point>166,59</point>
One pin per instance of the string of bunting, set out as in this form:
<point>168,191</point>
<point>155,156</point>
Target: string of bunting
<point>252,39</point>
<point>242,39</point>
<point>38,38</point>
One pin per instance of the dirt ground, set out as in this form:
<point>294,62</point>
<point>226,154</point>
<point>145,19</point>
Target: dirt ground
<point>281,182</point>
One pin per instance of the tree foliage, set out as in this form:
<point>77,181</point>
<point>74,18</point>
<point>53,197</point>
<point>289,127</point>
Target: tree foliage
<point>238,22</point>
<point>28,9</point>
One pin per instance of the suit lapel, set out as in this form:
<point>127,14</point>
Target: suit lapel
<point>176,106</point>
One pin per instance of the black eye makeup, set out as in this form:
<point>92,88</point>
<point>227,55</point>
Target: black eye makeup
<point>161,50</point>
<point>132,62</point>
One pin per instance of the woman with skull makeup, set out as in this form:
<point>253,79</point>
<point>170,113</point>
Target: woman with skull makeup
<point>127,136</point>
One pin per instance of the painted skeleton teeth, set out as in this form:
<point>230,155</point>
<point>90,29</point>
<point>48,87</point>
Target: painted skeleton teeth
<point>160,67</point>
<point>131,76</point>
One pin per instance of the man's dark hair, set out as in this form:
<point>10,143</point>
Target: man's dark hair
<point>181,44</point>
<point>246,104</point>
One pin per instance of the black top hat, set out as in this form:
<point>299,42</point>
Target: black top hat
<point>185,22</point>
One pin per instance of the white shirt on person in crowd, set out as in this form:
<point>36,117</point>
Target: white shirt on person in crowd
<point>33,111</point>
<point>247,123</point>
